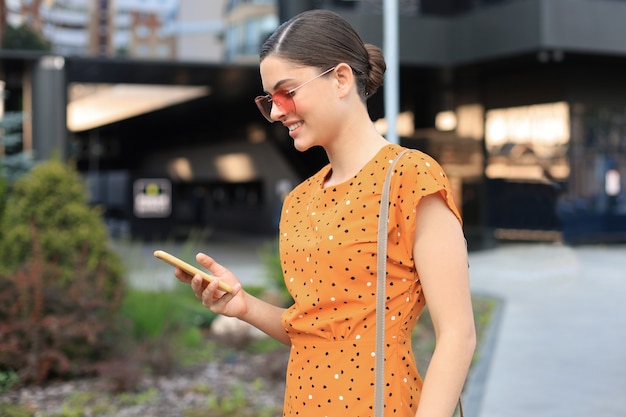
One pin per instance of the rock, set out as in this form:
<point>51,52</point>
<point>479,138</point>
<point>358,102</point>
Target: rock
<point>234,332</point>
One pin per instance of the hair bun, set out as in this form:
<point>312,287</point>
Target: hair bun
<point>376,68</point>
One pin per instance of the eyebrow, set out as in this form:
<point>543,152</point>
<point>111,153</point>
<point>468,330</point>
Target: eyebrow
<point>279,83</point>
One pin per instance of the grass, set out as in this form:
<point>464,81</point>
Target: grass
<point>424,333</point>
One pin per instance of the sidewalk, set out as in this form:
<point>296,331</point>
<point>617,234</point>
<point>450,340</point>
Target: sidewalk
<point>559,346</point>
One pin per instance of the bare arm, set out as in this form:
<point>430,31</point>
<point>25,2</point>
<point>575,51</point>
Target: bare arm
<point>441,259</point>
<point>262,315</point>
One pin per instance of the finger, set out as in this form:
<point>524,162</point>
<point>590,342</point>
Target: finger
<point>182,275</point>
<point>210,264</point>
<point>210,294</point>
<point>221,298</point>
<point>198,285</point>
<point>216,299</point>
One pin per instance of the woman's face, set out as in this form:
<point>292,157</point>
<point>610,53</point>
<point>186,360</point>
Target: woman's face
<point>310,119</point>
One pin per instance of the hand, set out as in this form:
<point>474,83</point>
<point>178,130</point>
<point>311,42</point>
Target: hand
<point>232,304</point>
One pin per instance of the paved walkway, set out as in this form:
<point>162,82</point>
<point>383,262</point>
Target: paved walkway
<point>243,256</point>
<point>557,347</point>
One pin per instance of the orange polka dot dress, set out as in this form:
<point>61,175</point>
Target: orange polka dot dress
<point>328,255</point>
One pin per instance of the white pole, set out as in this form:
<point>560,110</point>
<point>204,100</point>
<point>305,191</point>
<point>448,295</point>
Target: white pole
<point>390,49</point>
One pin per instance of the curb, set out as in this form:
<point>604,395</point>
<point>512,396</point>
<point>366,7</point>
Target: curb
<point>475,387</point>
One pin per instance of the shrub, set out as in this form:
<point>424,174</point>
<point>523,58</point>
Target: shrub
<point>53,199</point>
<point>60,283</point>
<point>24,38</point>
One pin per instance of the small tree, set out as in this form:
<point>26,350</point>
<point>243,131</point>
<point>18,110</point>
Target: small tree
<point>60,283</point>
<point>24,38</point>
<point>53,198</point>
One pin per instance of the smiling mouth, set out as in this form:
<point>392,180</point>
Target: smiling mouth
<point>294,126</point>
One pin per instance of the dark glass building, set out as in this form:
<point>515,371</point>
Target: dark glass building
<point>522,101</point>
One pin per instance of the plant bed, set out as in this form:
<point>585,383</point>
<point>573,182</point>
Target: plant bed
<point>214,380</point>
<point>233,383</point>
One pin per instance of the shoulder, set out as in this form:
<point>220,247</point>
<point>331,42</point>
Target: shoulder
<point>421,169</point>
<point>422,163</point>
<point>411,158</point>
<point>420,175</point>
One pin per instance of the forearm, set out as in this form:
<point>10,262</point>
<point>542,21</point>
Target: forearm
<point>266,317</point>
<point>446,375</point>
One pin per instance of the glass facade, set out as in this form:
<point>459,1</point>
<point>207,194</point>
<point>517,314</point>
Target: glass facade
<point>528,143</point>
<point>234,4</point>
<point>413,7</point>
<point>595,201</point>
<point>250,24</point>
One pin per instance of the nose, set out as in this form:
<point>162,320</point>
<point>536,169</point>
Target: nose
<point>276,112</point>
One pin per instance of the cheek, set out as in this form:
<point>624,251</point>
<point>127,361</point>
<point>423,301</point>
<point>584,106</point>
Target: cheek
<point>318,106</point>
<point>321,112</point>
<point>307,104</point>
<point>331,113</point>
<point>327,125</point>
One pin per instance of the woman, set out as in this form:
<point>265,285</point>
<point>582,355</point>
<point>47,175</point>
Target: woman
<point>318,75</point>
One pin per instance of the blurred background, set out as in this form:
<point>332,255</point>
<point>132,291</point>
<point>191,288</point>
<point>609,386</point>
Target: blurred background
<point>522,102</point>
<point>130,124</point>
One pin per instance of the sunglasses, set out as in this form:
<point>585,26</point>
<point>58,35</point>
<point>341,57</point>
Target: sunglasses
<point>282,98</point>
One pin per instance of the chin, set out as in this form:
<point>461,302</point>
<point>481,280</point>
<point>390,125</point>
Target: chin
<point>302,146</point>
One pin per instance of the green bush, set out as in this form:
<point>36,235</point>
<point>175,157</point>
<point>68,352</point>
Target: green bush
<point>162,330</point>
<point>8,380</point>
<point>53,199</point>
<point>60,283</point>
<point>151,314</point>
<point>24,38</point>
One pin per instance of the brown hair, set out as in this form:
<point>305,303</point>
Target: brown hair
<point>323,39</point>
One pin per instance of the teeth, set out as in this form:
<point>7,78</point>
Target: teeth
<point>294,126</point>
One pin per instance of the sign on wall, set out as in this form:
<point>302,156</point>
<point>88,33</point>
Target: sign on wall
<point>152,197</point>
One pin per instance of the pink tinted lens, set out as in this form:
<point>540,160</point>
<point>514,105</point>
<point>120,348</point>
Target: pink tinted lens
<point>265,106</point>
<point>282,99</point>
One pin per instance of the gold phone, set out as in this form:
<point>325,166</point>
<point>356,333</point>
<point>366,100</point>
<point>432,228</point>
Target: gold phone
<point>189,269</point>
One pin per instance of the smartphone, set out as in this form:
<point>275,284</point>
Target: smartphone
<point>191,270</point>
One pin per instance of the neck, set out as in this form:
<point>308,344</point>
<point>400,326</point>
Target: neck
<point>348,156</point>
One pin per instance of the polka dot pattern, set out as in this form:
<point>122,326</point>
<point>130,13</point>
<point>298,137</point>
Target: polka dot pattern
<point>328,255</point>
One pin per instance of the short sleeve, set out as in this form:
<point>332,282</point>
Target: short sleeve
<point>417,176</point>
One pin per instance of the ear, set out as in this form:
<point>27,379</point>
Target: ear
<point>345,79</point>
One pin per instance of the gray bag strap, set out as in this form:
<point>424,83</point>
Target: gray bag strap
<point>383,218</point>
